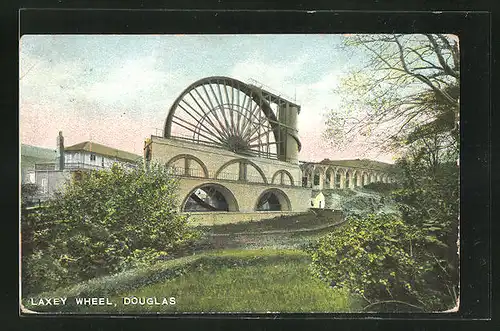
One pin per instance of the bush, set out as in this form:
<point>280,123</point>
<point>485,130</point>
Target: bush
<point>28,192</point>
<point>381,187</point>
<point>429,199</point>
<point>377,257</point>
<point>107,222</point>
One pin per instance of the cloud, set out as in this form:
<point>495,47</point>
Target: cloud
<point>119,94</point>
<point>136,80</point>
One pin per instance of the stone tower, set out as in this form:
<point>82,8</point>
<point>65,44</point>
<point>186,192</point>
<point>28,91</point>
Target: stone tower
<point>60,152</point>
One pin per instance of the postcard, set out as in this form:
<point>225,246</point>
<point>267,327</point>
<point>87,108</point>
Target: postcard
<point>202,174</point>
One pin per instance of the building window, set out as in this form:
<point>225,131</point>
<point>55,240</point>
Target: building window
<point>92,157</point>
<point>102,161</point>
<point>316,179</point>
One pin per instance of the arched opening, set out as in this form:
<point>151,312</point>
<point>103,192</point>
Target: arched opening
<point>317,178</point>
<point>187,165</point>
<point>329,178</point>
<point>357,178</point>
<point>365,180</point>
<point>282,177</point>
<point>348,179</point>
<point>210,198</point>
<point>273,200</point>
<point>340,178</point>
<point>307,178</point>
<point>241,170</point>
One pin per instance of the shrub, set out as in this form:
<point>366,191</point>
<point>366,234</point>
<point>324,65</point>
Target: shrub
<point>381,187</point>
<point>429,199</point>
<point>377,257</point>
<point>28,192</point>
<point>109,221</point>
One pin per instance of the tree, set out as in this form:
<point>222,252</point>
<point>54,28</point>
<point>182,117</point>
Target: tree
<point>109,221</point>
<point>429,198</point>
<point>28,191</point>
<point>407,90</point>
<point>406,100</point>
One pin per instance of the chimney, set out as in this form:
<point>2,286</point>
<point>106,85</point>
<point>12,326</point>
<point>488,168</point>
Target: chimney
<point>60,152</point>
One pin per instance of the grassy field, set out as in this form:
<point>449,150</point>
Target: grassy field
<point>263,280</point>
<point>309,220</point>
<point>244,267</point>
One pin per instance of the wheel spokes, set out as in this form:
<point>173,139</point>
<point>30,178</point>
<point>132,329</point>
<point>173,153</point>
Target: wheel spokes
<point>222,113</point>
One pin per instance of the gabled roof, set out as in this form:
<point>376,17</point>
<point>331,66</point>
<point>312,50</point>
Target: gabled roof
<point>315,194</point>
<point>96,148</point>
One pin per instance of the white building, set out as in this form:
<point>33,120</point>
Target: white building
<point>90,155</point>
<point>70,161</point>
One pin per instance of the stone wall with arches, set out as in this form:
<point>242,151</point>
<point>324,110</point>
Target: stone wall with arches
<point>240,181</point>
<point>244,197</point>
<point>318,176</point>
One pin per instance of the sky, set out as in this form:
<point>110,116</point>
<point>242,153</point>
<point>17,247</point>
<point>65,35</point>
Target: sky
<point>117,89</point>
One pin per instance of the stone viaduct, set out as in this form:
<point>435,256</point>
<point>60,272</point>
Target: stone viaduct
<point>340,174</point>
<point>234,146</point>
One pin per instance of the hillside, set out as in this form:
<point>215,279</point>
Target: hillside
<point>32,154</point>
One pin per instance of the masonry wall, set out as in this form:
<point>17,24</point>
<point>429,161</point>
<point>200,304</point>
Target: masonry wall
<point>213,218</point>
<point>214,158</point>
<point>247,194</point>
<point>50,181</point>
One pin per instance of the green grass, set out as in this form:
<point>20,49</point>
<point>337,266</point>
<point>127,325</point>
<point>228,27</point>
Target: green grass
<point>261,280</point>
<point>282,287</point>
<point>284,223</point>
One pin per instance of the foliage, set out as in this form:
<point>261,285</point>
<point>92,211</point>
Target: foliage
<point>381,187</point>
<point>377,256</point>
<point>429,199</point>
<point>28,191</point>
<point>284,223</point>
<point>407,90</point>
<point>408,259</point>
<point>109,221</point>
<point>269,280</point>
<point>407,100</point>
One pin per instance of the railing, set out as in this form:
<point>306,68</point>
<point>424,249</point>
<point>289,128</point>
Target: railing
<point>229,176</point>
<point>82,165</point>
<point>45,166</point>
<point>76,166</point>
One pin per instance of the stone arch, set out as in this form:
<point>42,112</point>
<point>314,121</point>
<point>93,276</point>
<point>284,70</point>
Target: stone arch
<point>318,175</point>
<point>282,173</point>
<point>330,177</point>
<point>273,199</point>
<point>242,169</point>
<point>189,157</point>
<point>348,178</point>
<point>340,176</point>
<point>357,178</point>
<point>307,176</point>
<point>212,190</point>
<point>365,179</point>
